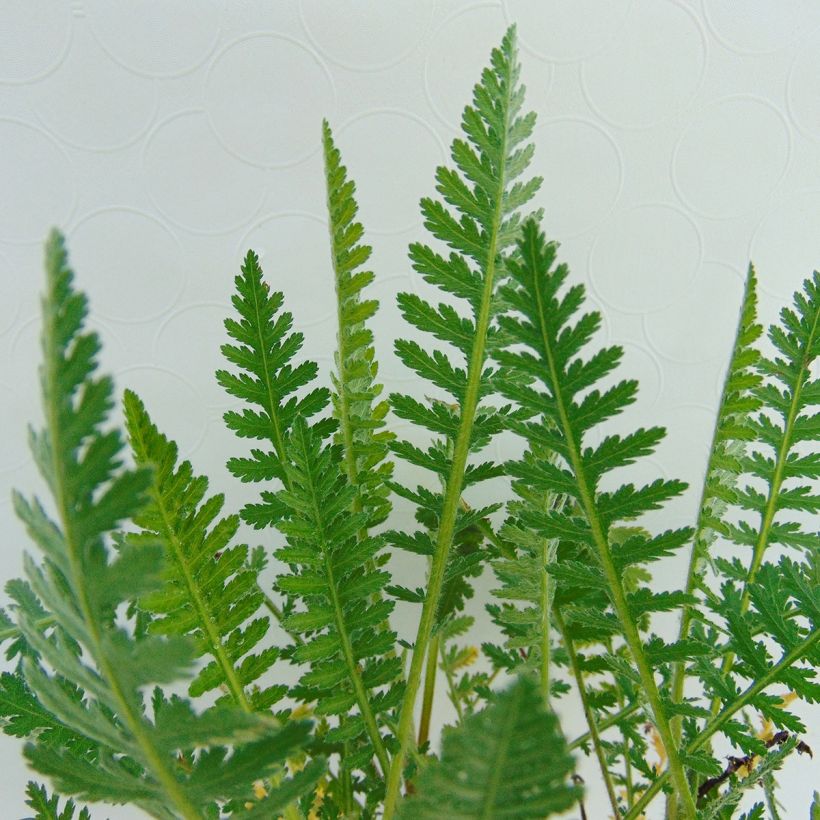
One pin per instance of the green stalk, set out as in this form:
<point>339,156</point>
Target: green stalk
<point>546,603</point>
<point>588,713</point>
<point>452,494</point>
<point>605,724</point>
<point>616,590</point>
<point>429,692</point>
<point>454,696</point>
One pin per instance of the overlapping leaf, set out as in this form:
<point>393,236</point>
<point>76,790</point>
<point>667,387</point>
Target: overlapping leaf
<point>348,640</point>
<point>508,760</point>
<point>355,394</point>
<point>211,592</point>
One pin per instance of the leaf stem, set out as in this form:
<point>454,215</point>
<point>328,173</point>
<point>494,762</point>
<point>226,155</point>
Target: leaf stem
<point>605,724</point>
<point>594,734</point>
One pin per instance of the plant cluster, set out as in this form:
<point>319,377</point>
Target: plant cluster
<point>141,583</point>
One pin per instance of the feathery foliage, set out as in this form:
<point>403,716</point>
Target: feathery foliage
<point>211,591</point>
<point>349,639</point>
<point>48,808</point>
<point>509,760</point>
<point>568,408</point>
<point>143,586</point>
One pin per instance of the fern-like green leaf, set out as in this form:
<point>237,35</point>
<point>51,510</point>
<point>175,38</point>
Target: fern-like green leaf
<point>211,593</point>
<point>48,808</point>
<point>478,220</point>
<point>557,386</point>
<point>267,380</point>
<point>350,641</point>
<point>355,390</point>
<point>508,760</point>
<point>85,584</point>
<point>768,509</point>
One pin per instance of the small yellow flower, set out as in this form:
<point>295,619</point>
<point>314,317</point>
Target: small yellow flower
<point>301,711</point>
<point>467,657</point>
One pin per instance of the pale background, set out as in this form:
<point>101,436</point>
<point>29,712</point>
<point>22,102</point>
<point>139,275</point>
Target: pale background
<point>677,141</point>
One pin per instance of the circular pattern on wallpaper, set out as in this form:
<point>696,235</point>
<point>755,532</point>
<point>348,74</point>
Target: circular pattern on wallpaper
<point>365,35</point>
<point>644,259</point>
<point>450,73</point>
<point>194,181</point>
<point>582,170</point>
<point>571,30</point>
<point>116,113</point>
<point>716,293</point>
<point>400,152</point>
<point>285,89</point>
<point>802,97</point>
<point>190,339</point>
<point>34,38</point>
<point>294,253</point>
<point>13,286</point>
<point>761,27</point>
<point>785,247</point>
<point>638,81</point>
<point>155,37</point>
<point>731,157</point>
<point>135,257</point>
<point>32,163</point>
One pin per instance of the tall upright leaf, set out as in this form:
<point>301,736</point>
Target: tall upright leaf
<point>355,390</point>
<point>265,378</point>
<point>478,220</point>
<point>562,392</point>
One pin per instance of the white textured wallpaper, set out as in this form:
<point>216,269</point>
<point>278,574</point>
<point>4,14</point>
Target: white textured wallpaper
<point>678,139</point>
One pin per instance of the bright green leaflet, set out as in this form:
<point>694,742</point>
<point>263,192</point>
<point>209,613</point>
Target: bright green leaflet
<point>84,582</point>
